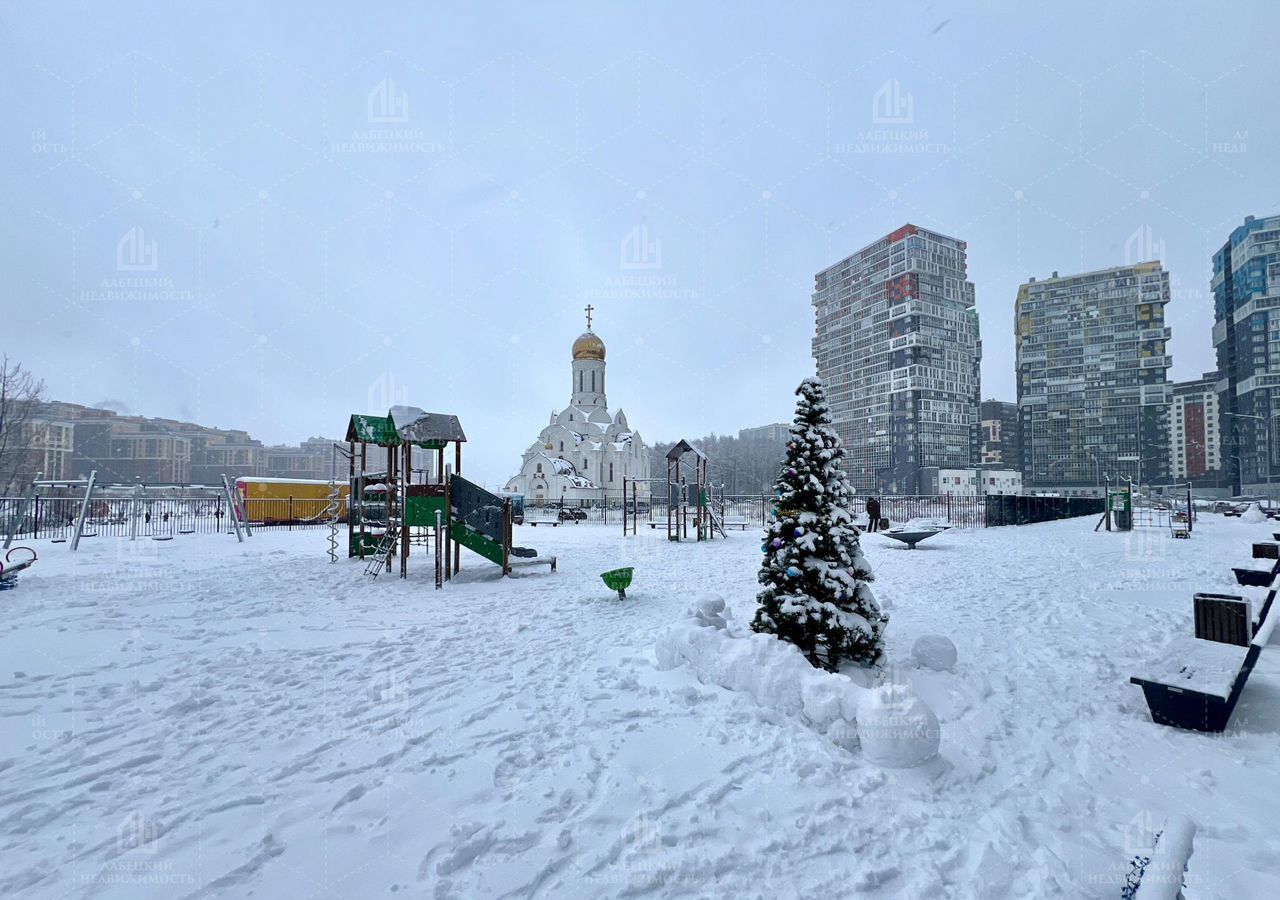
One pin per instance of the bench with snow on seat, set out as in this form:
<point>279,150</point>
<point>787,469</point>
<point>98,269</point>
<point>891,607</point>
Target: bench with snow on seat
<point>1266,550</point>
<point>10,568</point>
<point>1256,572</point>
<point>1195,684</point>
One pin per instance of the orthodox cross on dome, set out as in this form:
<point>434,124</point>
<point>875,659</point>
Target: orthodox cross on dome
<point>588,312</point>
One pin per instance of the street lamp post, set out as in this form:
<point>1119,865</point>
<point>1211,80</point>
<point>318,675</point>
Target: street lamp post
<point>1266,420</point>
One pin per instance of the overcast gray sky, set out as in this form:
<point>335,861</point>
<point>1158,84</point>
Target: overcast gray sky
<point>268,216</point>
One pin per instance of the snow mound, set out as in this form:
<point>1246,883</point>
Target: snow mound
<point>934,651</point>
<point>897,729</point>
<point>1254,515</point>
<point>774,673</point>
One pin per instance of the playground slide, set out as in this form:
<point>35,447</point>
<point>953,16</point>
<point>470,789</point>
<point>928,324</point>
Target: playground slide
<point>476,522</point>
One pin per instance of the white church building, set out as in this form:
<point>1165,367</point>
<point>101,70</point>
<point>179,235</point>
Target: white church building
<point>584,453</point>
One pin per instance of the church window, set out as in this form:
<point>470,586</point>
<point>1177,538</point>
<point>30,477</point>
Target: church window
<point>610,472</point>
<point>579,379</point>
<point>562,446</point>
<point>539,468</point>
<point>593,381</point>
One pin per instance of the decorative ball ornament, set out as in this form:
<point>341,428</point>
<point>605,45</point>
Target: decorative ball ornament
<point>799,532</point>
<point>793,572</point>
<point>776,543</point>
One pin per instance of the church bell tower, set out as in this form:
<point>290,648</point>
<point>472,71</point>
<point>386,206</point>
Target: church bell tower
<point>588,369</point>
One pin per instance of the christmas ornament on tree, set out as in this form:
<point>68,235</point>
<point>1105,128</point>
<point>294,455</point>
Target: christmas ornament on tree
<point>817,592</point>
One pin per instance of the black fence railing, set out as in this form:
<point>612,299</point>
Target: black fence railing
<point>54,518</point>
<point>1010,509</point>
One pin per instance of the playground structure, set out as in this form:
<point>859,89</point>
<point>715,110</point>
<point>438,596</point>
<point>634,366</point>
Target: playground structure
<point>159,511</point>
<point>683,497</point>
<point>1127,508</point>
<point>398,507</point>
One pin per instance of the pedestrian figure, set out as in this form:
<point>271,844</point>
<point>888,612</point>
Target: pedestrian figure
<point>873,514</point>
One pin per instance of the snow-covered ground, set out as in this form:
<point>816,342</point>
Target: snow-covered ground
<point>201,718</point>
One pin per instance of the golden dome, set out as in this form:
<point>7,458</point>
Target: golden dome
<point>588,346</point>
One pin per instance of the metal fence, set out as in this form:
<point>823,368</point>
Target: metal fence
<point>54,518</point>
<point>1010,509</point>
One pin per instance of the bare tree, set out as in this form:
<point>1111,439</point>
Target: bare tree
<point>20,395</point>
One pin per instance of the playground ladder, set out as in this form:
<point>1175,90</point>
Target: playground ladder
<point>386,550</point>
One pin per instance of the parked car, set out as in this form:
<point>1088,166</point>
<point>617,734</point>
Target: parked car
<point>571,514</point>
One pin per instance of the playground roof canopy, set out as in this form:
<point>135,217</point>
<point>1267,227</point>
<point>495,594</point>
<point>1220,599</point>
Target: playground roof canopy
<point>681,448</point>
<point>425,429</point>
<point>372,430</point>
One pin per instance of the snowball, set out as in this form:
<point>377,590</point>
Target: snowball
<point>934,651</point>
<point>896,728</point>
<point>1253,515</point>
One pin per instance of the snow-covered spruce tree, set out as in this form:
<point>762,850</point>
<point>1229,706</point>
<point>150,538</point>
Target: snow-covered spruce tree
<point>816,593</point>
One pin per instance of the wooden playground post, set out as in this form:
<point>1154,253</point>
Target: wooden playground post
<point>439,572</point>
<point>351,493</point>
<point>457,468</point>
<point>506,536</point>
<point>406,476</point>
<point>387,483</point>
<point>448,511</point>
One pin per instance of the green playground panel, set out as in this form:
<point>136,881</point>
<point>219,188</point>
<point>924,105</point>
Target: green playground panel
<point>476,542</point>
<point>421,511</point>
<point>371,540</point>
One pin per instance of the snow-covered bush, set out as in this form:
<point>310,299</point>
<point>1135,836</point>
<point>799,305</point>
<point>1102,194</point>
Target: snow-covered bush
<point>816,581</point>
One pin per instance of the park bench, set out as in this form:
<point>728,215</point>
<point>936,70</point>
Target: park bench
<point>1256,573</point>
<point>1196,683</point>
<point>1266,550</point>
<point>1225,618</point>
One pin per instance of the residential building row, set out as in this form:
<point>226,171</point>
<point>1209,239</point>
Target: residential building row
<point>898,344</point>
<point>67,441</point>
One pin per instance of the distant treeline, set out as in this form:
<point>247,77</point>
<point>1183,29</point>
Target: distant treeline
<point>742,466</point>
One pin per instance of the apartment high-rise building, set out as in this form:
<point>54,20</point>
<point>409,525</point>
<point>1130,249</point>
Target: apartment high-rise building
<point>1092,390</point>
<point>999,434</point>
<point>1246,335</point>
<point>1195,445</point>
<point>776,433</point>
<point>897,346</point>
